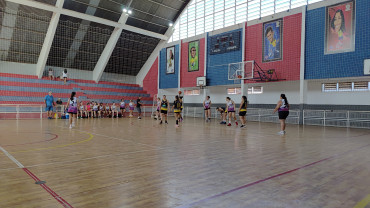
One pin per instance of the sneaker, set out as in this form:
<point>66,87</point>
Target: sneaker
<point>166,122</point>
<point>73,125</point>
<point>236,123</point>
<point>160,122</point>
<point>155,118</point>
<point>229,124</point>
<point>70,126</point>
<point>221,122</point>
<point>281,132</point>
<point>138,118</point>
<point>176,125</point>
<point>242,126</point>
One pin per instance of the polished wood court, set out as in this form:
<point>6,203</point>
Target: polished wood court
<point>104,163</point>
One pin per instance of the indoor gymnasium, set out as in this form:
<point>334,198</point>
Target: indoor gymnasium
<point>185,103</point>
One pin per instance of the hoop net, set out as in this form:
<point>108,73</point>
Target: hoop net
<point>241,70</point>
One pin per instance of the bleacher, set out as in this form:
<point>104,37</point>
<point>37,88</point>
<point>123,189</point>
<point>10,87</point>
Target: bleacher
<point>28,89</point>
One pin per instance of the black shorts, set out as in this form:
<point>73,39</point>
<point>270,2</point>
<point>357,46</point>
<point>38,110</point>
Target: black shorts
<point>283,114</point>
<point>158,110</point>
<point>231,111</point>
<point>164,111</point>
<point>122,108</point>
<point>242,113</point>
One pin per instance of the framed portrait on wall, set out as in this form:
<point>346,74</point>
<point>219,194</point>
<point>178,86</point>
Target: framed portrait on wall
<point>340,28</point>
<point>193,56</point>
<point>170,60</point>
<point>272,41</point>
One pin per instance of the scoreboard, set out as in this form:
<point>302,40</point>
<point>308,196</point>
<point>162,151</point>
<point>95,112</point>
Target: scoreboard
<point>225,42</point>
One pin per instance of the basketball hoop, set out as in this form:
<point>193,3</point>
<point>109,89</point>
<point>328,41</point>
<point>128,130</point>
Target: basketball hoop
<point>201,86</point>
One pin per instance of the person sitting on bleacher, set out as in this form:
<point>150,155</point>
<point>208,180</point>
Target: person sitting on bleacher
<point>51,74</point>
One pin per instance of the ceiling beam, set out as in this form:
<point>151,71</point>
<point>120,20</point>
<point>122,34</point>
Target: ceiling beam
<point>83,16</point>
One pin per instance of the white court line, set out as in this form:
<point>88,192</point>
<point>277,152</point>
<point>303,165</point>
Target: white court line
<point>11,158</point>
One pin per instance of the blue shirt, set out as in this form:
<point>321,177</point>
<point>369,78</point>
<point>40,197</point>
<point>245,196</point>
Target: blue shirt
<point>49,100</point>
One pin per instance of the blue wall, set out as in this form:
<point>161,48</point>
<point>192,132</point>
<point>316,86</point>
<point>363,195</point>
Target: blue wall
<point>349,64</point>
<point>217,65</point>
<point>168,80</point>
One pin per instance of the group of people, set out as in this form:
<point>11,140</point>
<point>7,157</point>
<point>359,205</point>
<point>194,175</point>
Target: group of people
<point>76,109</point>
<point>163,106</point>
<point>63,77</point>
<point>282,108</point>
<point>96,110</point>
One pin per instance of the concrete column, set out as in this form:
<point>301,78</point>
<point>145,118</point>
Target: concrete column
<point>41,62</point>
<point>302,82</point>
<point>108,49</point>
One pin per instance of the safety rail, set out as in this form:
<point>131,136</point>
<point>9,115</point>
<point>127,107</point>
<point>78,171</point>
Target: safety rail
<point>37,111</point>
<point>337,118</point>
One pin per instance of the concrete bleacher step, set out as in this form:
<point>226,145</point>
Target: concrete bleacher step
<point>23,89</point>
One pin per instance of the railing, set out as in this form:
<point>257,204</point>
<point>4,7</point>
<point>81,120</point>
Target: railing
<point>29,111</point>
<point>21,111</point>
<point>253,114</point>
<point>352,119</point>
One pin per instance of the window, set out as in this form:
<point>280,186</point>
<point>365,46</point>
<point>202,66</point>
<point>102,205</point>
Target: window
<point>234,91</point>
<point>192,92</point>
<point>255,90</point>
<point>346,86</point>
<point>327,87</point>
<point>360,86</point>
<point>208,15</point>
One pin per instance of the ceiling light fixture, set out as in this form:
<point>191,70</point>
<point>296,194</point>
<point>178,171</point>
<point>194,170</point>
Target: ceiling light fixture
<point>170,24</point>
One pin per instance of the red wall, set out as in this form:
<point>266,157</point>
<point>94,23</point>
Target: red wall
<point>289,67</point>
<point>189,79</point>
<point>150,82</point>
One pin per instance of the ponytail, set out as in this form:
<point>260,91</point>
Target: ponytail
<point>245,98</point>
<point>72,95</point>
<point>284,98</point>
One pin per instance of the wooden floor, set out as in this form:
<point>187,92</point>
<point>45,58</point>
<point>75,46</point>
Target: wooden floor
<point>104,163</point>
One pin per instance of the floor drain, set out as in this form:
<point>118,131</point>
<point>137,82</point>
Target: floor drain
<point>40,182</point>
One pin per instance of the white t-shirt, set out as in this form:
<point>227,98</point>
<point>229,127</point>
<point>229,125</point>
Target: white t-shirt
<point>64,75</point>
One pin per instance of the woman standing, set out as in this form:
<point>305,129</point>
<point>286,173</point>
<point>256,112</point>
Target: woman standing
<point>230,106</point>
<point>164,109</point>
<point>177,109</point>
<point>158,112</point>
<point>243,111</point>
<point>283,108</point>
<point>131,106</point>
<point>207,108</point>
<point>122,107</point>
<point>72,106</point>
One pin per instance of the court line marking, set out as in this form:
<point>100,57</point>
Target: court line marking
<point>269,178</point>
<point>34,177</point>
<point>48,140</point>
<point>365,201</point>
<point>58,146</point>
